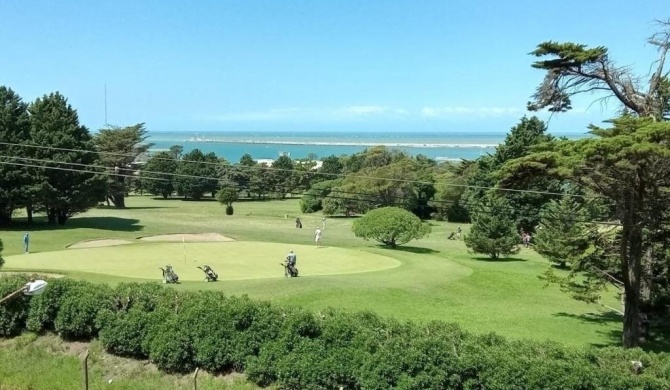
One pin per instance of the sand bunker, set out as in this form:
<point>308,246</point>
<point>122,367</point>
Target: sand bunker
<point>98,243</point>
<point>188,237</point>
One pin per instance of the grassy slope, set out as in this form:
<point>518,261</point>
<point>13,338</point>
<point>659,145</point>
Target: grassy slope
<point>438,279</point>
<point>55,365</point>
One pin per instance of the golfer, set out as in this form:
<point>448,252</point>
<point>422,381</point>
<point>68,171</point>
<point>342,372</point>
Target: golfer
<point>317,237</point>
<point>291,259</point>
<point>26,242</point>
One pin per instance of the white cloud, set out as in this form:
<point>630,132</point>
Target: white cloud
<point>364,110</point>
<point>433,112</point>
<point>297,113</point>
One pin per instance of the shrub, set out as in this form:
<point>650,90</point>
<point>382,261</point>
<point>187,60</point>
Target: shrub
<point>79,307</point>
<point>14,312</point>
<point>44,308</point>
<point>2,261</point>
<point>229,210</point>
<point>123,333</point>
<point>294,348</point>
<point>391,226</point>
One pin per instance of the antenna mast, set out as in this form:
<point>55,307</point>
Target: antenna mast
<point>105,104</point>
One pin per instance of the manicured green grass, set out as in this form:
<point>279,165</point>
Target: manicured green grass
<point>437,279</point>
<point>232,260</point>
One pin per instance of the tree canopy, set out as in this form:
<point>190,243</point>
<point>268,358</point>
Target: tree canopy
<point>391,226</point>
<point>492,232</point>
<point>574,69</point>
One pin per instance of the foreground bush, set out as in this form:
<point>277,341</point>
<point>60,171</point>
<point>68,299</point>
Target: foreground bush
<point>296,349</point>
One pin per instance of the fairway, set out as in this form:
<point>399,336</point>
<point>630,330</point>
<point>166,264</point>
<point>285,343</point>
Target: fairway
<point>231,260</point>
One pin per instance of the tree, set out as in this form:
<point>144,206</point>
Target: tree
<point>629,165</point>
<point>525,205</point>
<point>158,174</point>
<point>576,69</point>
<point>119,147</point>
<point>176,151</point>
<point>15,131</point>
<point>311,202</point>
<point>391,226</point>
<point>626,164</point>
<point>331,166</point>
<point>226,196</point>
<point>197,176</point>
<point>65,187</point>
<point>282,176</point>
<point>564,234</point>
<point>492,232</point>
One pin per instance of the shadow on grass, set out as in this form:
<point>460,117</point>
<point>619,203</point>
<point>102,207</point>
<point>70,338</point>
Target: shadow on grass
<point>102,223</point>
<point>659,331</point>
<point>410,249</point>
<point>500,260</point>
<point>105,207</point>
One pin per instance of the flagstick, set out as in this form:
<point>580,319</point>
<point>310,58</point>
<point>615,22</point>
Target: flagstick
<point>183,243</point>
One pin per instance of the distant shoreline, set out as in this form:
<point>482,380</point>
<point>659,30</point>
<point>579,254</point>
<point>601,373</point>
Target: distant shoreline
<point>337,143</point>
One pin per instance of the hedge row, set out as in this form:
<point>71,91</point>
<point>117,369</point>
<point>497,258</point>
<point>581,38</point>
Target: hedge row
<point>298,349</point>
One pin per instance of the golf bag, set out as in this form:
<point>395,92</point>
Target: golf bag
<point>452,236</point>
<point>169,276</point>
<point>290,271</point>
<point>210,275</point>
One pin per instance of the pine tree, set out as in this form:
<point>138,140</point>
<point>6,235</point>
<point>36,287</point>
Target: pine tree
<point>64,189</point>
<point>493,232</point>
<point>563,236</point>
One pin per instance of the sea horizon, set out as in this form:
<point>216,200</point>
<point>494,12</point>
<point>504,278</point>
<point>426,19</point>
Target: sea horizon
<point>265,145</point>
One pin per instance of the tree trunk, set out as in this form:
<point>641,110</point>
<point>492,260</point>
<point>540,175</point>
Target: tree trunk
<point>631,252</point>
<point>62,217</point>
<point>29,212</point>
<point>51,216</point>
<point>5,218</point>
<point>119,200</point>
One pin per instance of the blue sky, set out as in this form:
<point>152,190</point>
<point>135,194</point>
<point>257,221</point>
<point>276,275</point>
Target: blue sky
<point>340,65</point>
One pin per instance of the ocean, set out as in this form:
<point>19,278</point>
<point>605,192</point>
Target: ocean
<point>232,145</point>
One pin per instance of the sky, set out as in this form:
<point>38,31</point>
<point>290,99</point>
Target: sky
<point>286,65</point>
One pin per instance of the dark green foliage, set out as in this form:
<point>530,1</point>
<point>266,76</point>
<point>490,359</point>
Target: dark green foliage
<point>118,147</point>
<point>564,235</point>
<point>14,312</point>
<point>61,194</point>
<point>14,129</point>
<point>629,166</point>
<point>162,182</point>
<point>198,175</point>
<point>282,177</point>
<point>78,310</point>
<point>230,210</point>
<point>390,226</point>
<point>2,261</point>
<point>493,232</point>
<point>311,202</point>
<point>123,333</point>
<point>227,195</point>
<point>292,348</point>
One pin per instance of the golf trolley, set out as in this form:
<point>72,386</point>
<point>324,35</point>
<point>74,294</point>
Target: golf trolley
<point>210,275</point>
<point>169,276</point>
<point>289,270</point>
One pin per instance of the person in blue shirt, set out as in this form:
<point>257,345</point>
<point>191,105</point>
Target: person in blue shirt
<point>26,242</point>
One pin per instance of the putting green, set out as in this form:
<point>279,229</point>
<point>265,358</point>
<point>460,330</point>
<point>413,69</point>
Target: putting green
<point>231,260</point>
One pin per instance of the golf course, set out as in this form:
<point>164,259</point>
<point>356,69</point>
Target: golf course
<point>429,279</point>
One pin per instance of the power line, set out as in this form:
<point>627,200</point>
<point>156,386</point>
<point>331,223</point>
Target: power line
<point>371,198</point>
<point>343,175</point>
